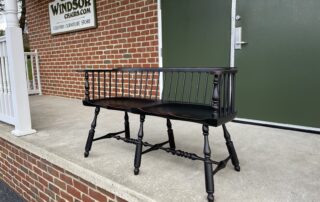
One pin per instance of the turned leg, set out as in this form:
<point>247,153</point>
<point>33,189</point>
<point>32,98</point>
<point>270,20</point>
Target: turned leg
<point>91,132</point>
<point>137,158</point>
<point>170,135</point>
<point>207,164</point>
<point>231,149</point>
<point>126,125</point>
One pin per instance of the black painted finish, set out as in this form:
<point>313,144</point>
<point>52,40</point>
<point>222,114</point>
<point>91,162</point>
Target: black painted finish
<point>231,149</point>
<point>137,158</point>
<point>136,90</point>
<point>91,132</point>
<point>170,135</point>
<point>207,164</point>
<point>126,125</point>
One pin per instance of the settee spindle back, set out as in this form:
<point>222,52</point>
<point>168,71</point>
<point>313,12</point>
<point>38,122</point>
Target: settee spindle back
<point>213,87</point>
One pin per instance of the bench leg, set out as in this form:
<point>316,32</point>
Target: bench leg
<point>231,149</point>
<point>137,157</point>
<point>170,135</point>
<point>207,164</point>
<point>91,132</point>
<point>126,125</point>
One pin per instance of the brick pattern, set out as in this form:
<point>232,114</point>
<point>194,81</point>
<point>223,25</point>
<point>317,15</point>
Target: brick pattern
<point>126,36</point>
<point>36,179</point>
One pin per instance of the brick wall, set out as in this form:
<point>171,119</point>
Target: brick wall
<point>126,36</point>
<point>36,179</point>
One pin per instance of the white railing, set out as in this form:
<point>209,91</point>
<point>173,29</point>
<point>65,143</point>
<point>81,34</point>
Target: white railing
<point>32,72</point>
<point>6,106</point>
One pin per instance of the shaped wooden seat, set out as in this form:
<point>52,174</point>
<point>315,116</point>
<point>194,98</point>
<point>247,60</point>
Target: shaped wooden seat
<point>120,103</point>
<point>186,112</point>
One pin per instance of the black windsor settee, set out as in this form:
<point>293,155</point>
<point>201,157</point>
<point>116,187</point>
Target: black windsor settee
<point>201,95</point>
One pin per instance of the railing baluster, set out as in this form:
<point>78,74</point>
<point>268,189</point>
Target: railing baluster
<point>151,84</point>
<point>27,72</point>
<point>32,70</point>
<point>99,85</point>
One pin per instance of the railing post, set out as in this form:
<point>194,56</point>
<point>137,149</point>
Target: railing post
<point>38,72</point>
<point>17,71</point>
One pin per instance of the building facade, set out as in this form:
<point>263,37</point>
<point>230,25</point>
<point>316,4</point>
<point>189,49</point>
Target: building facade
<point>126,36</point>
<point>275,49</point>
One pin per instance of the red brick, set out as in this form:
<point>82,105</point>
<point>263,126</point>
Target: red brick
<point>58,168</point>
<point>118,25</point>
<point>74,192</point>
<point>49,193</point>
<point>47,176</point>
<point>80,186</point>
<point>53,171</point>
<point>66,196</point>
<point>110,195</point>
<point>26,196</point>
<point>43,181</point>
<point>66,179</point>
<point>86,198</point>
<point>39,186</point>
<point>37,170</point>
<point>88,183</point>
<point>59,199</point>
<point>31,159</point>
<point>54,188</point>
<point>121,199</point>
<point>27,164</point>
<point>42,165</point>
<point>60,183</point>
<point>97,195</point>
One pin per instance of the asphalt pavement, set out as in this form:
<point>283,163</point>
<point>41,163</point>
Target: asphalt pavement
<point>8,195</point>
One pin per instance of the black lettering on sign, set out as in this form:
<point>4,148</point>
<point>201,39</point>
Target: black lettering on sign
<point>54,9</point>
<point>61,8</point>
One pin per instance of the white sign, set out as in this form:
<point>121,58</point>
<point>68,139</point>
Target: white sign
<point>71,15</point>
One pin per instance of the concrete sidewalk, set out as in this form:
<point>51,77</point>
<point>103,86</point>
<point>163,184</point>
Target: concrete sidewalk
<point>276,165</point>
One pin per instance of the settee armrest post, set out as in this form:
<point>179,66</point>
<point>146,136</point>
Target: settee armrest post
<point>216,96</point>
<point>86,86</point>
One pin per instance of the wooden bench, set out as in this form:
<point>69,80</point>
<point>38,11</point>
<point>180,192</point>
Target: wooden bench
<point>201,95</point>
